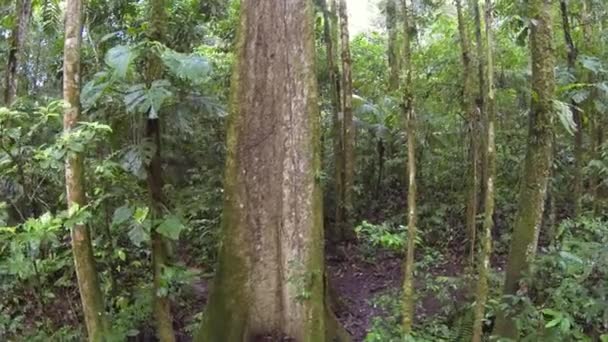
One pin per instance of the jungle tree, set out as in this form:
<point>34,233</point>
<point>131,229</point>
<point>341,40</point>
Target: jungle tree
<point>537,162</point>
<point>23,9</point>
<point>483,265</point>
<point>86,273</point>
<point>270,278</point>
<point>410,123</point>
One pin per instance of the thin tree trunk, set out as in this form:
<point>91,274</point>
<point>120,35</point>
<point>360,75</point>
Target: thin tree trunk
<point>348,127</point>
<point>537,164</point>
<point>410,118</point>
<point>161,302</point>
<point>269,284</point>
<point>470,110</point>
<point>23,10</point>
<point>577,188</point>
<point>490,175</point>
<point>481,100</point>
<point>86,273</point>
<point>394,58</point>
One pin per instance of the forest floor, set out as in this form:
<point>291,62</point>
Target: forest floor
<point>357,280</point>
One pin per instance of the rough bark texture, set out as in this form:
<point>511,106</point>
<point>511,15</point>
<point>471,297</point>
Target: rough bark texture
<point>394,58</point>
<point>471,111</point>
<point>23,10</point>
<point>88,282</point>
<point>537,162</point>
<point>410,119</point>
<point>577,179</point>
<point>269,282</point>
<point>154,71</point>
<point>348,127</point>
<point>481,295</point>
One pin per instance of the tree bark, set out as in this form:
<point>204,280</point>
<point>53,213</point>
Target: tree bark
<point>270,278</point>
<point>23,10</point>
<point>410,119</point>
<point>490,175</point>
<point>537,162</point>
<point>348,128</point>
<point>160,255</point>
<point>481,100</point>
<point>86,273</point>
<point>471,111</point>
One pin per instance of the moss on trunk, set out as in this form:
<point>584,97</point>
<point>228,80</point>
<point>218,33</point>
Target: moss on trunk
<point>537,162</point>
<point>270,277</point>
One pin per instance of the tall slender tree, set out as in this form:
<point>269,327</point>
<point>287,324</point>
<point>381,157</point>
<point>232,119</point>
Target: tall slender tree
<point>348,127</point>
<point>410,122</point>
<point>270,279</point>
<point>481,100</point>
<point>488,223</point>
<point>471,111</point>
<point>154,178</point>
<point>394,50</point>
<point>86,273</point>
<point>23,11</point>
<point>537,163</point>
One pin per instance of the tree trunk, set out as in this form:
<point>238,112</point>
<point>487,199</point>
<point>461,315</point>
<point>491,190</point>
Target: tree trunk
<point>469,108</point>
<point>23,10</point>
<point>394,58</point>
<point>481,100</point>
<point>270,279</point>
<point>330,36</point>
<point>410,118</point>
<point>86,273</point>
<point>490,175</point>
<point>577,188</point>
<point>154,71</point>
<point>348,127</point>
<point>538,159</point>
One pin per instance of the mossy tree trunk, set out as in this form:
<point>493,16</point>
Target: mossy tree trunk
<point>86,273</point>
<point>481,98</point>
<point>23,11</point>
<point>410,122</point>
<point>537,162</point>
<point>394,50</point>
<point>270,278</point>
<point>348,128</point>
<point>160,258</point>
<point>471,112</point>
<point>483,266</point>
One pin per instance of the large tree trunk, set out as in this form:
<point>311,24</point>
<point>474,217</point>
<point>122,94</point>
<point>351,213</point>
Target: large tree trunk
<point>23,10</point>
<point>538,159</point>
<point>88,282</point>
<point>270,278</point>
<point>488,223</point>
<point>348,128</point>
<point>154,71</point>
<point>471,111</point>
<point>410,119</point>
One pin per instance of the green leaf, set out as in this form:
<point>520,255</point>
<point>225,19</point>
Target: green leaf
<point>190,67</point>
<point>565,116</point>
<point>120,58</point>
<point>141,214</point>
<point>138,234</point>
<point>171,227</point>
<point>121,215</point>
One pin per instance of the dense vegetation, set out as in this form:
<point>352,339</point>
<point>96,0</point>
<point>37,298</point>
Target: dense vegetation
<point>257,171</point>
